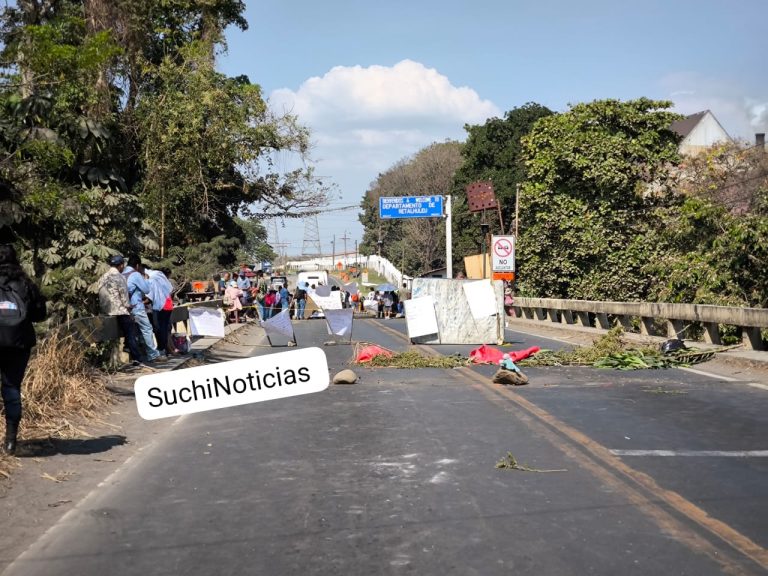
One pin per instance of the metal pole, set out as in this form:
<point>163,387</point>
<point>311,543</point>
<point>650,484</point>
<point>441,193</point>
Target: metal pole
<point>333,252</point>
<point>517,210</point>
<point>448,238</point>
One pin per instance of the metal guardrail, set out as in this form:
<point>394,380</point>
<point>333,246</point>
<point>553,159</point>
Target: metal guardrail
<point>749,321</point>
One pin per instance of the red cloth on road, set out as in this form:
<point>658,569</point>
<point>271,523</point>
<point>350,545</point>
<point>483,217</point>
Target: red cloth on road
<point>370,352</point>
<point>488,355</point>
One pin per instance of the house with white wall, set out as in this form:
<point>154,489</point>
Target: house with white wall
<point>699,132</point>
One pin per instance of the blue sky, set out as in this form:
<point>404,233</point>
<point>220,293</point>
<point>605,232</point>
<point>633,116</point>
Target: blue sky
<point>377,81</point>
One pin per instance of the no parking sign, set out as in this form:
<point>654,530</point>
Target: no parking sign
<point>503,253</point>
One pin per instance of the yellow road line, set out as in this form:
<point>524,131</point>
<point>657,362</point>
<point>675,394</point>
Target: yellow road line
<point>612,470</point>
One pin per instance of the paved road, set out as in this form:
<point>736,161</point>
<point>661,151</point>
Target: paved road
<point>396,475</point>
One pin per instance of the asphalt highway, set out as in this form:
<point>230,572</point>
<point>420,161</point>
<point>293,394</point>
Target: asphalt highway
<point>618,473</point>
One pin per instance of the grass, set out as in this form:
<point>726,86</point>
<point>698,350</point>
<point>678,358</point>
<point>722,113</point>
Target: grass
<point>60,390</point>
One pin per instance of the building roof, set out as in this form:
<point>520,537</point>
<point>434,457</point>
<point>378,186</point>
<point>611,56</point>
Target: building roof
<point>683,127</point>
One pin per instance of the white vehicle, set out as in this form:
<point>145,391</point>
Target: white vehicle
<point>315,277</point>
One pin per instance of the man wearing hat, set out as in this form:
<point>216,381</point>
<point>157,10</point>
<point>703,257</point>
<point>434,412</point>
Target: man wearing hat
<point>114,301</point>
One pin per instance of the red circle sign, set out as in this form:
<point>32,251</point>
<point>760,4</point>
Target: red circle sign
<point>502,247</point>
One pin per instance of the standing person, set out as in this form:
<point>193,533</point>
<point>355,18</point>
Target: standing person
<point>285,296</point>
<point>160,290</point>
<point>300,297</point>
<point>232,300</point>
<point>138,290</point>
<point>114,301</point>
<point>21,304</point>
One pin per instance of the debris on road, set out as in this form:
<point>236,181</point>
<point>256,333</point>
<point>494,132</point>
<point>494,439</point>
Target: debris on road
<point>510,463</point>
<point>612,352</point>
<point>378,357</point>
<point>512,377</point>
<point>345,377</point>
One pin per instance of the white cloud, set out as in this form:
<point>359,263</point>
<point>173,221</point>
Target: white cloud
<point>365,119</point>
<point>383,96</point>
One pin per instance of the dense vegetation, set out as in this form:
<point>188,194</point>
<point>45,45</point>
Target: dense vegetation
<point>608,208</point>
<point>118,134</point>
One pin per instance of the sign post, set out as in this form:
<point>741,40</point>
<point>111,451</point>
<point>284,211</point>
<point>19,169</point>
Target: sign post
<point>502,253</point>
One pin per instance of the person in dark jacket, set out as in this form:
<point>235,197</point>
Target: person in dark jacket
<point>17,341</point>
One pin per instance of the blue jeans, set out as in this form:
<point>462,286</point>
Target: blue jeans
<point>300,305</point>
<point>139,314</point>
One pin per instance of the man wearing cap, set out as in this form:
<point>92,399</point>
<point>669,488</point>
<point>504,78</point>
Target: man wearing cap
<point>113,299</point>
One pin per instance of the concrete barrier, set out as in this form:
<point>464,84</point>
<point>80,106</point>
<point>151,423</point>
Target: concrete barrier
<point>649,316</point>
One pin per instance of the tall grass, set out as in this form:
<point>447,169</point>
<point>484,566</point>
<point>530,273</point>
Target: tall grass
<point>60,389</point>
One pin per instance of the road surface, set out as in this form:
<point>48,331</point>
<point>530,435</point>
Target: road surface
<point>621,473</point>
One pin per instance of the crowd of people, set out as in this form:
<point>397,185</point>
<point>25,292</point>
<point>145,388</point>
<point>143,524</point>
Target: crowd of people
<point>141,299</point>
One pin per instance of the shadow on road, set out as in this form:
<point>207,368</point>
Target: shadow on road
<point>44,447</point>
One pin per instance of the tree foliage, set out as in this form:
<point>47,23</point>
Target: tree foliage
<point>493,151</point>
<point>118,134</point>
<point>588,204</point>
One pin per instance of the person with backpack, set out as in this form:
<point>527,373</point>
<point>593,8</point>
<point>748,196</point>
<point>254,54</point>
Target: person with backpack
<point>21,304</point>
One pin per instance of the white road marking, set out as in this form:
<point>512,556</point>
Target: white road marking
<point>756,385</point>
<point>695,453</point>
<point>710,375</point>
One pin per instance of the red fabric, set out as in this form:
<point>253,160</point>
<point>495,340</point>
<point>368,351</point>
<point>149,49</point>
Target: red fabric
<point>488,355</point>
<point>168,304</point>
<point>370,352</point>
<point>517,355</point>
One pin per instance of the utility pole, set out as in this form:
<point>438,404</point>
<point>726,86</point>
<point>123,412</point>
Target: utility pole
<point>333,252</point>
<point>355,252</point>
<point>517,210</point>
<point>345,238</point>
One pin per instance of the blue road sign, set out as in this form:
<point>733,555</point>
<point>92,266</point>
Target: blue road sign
<point>411,207</point>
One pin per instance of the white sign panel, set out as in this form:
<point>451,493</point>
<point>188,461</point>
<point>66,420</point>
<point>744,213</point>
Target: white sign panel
<point>420,316</point>
<point>330,302</point>
<point>481,298</point>
<point>206,322</point>
<point>503,253</point>
<point>279,324</point>
<point>339,321</point>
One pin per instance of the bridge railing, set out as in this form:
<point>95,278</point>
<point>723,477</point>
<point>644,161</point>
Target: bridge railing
<point>651,318</point>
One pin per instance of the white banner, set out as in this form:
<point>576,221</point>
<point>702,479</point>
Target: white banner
<point>280,324</point>
<point>339,321</point>
<point>420,316</point>
<point>351,288</point>
<point>481,298</point>
<point>206,322</point>
<point>323,291</point>
<point>330,302</point>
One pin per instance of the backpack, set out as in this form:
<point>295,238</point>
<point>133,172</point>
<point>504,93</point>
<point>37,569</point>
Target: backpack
<point>13,315</point>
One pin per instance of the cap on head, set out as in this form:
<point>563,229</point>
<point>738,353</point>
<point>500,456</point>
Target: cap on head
<point>115,260</point>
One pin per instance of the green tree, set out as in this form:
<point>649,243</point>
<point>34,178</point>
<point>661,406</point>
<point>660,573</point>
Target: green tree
<point>493,151</point>
<point>588,207</point>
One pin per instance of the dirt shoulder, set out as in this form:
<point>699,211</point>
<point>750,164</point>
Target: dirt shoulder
<point>50,476</point>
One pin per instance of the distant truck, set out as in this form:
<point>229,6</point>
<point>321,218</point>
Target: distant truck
<point>313,277</point>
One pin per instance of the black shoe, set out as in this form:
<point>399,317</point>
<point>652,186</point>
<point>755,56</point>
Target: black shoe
<point>9,447</point>
<point>11,431</point>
